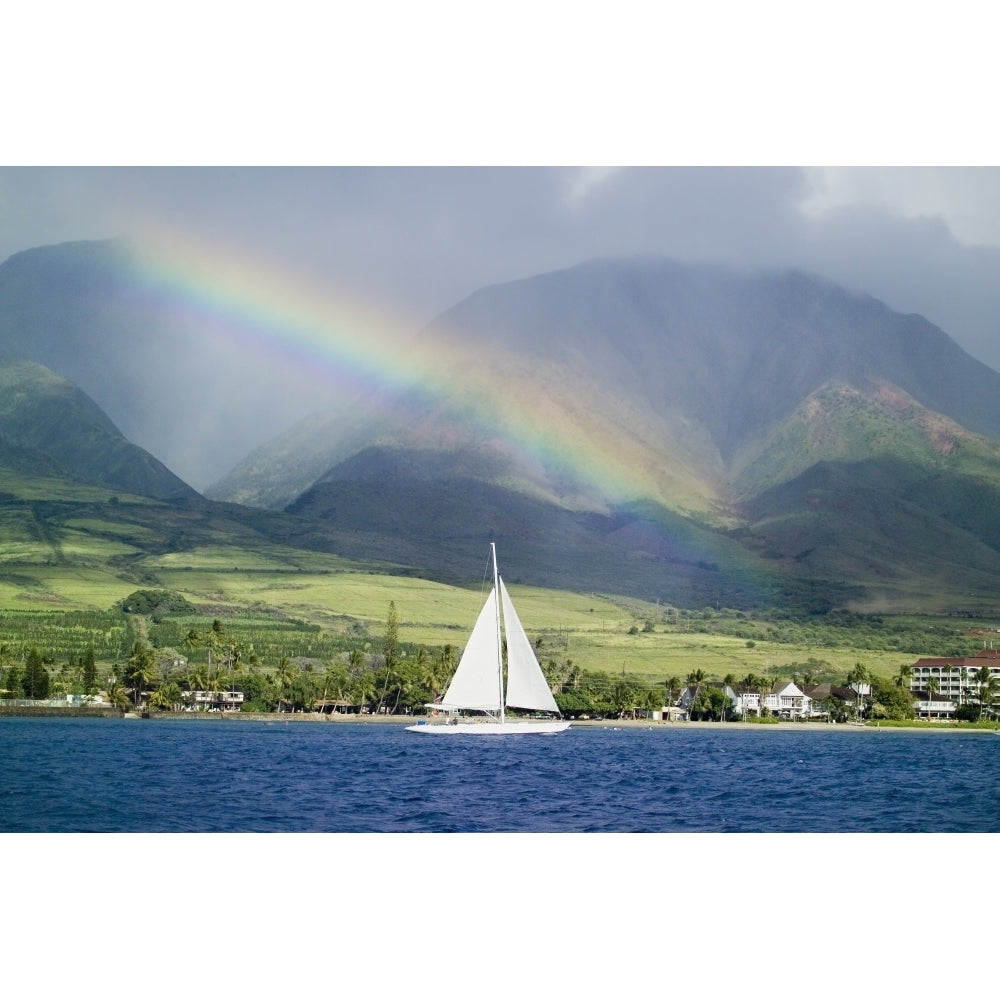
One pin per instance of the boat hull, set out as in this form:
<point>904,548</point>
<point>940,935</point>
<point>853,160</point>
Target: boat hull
<point>489,728</point>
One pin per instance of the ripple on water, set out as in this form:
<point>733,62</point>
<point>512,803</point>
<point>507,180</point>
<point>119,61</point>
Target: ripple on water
<point>166,776</point>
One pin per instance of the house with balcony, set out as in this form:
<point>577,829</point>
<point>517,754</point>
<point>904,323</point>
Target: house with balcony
<point>788,701</point>
<point>785,700</point>
<point>213,701</point>
<point>942,683</point>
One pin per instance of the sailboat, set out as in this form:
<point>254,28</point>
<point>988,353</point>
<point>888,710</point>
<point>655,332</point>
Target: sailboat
<point>478,683</point>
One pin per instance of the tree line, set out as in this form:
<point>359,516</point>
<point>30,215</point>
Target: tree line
<point>388,676</point>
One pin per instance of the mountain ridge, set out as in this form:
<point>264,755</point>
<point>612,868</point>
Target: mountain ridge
<point>687,375</point>
<point>687,433</point>
<point>758,384</point>
<point>49,426</point>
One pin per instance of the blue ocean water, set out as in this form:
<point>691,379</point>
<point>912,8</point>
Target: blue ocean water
<point>115,775</point>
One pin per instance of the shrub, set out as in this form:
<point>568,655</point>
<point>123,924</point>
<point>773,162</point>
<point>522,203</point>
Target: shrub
<point>146,602</point>
<point>968,712</point>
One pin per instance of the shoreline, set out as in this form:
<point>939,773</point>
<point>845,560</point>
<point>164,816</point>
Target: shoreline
<point>407,720</point>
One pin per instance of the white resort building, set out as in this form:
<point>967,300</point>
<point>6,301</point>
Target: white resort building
<point>944,683</point>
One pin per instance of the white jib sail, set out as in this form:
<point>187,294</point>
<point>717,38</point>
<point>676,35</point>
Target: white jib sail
<point>476,682</point>
<point>526,684</point>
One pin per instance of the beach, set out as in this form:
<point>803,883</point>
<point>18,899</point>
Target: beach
<point>408,720</point>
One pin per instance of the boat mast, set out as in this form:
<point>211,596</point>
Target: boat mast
<point>496,591</point>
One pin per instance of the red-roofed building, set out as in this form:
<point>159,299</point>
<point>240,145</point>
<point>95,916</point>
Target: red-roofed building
<point>956,681</point>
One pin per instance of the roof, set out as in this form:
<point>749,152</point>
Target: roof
<point>979,660</point>
<point>819,692</point>
<point>781,687</point>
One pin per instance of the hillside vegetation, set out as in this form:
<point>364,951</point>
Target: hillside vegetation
<point>70,555</point>
<point>744,439</point>
<point>49,427</point>
<point>684,435</point>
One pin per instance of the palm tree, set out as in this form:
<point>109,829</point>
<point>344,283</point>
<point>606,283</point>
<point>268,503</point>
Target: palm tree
<point>197,678</point>
<point>356,661</point>
<point>573,677</point>
<point>673,684</point>
<point>933,684</point>
<point>251,659</point>
<point>858,678</point>
<point>447,663</point>
<point>357,671</point>
<point>217,683</point>
<point>284,675</point>
<point>141,668</point>
<point>623,696</point>
<point>166,697</point>
<point>233,659</point>
<point>749,685</point>
<point>430,679</point>
<point>5,657</point>
<point>764,685</point>
<point>363,688</point>
<point>116,693</point>
<point>192,641</point>
<point>405,678</point>
<point>904,675</point>
<point>987,690</point>
<point>834,708</point>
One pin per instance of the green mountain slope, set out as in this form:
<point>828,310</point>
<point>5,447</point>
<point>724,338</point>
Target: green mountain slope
<point>47,424</point>
<point>671,432</point>
<point>418,509</point>
<point>852,423</point>
<point>676,373</point>
<point>710,402</point>
<point>147,354</point>
<point>892,527</point>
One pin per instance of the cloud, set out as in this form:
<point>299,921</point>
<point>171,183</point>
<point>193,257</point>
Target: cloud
<point>966,199</point>
<point>413,241</point>
<point>584,181</point>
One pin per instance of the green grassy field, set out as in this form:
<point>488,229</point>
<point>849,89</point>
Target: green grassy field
<point>600,633</point>
<point>69,551</point>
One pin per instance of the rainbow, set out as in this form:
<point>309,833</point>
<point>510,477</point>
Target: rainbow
<point>261,308</point>
<point>266,310</point>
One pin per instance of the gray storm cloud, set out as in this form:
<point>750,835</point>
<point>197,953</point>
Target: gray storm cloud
<point>416,240</point>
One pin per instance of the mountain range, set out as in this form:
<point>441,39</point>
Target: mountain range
<point>682,432</point>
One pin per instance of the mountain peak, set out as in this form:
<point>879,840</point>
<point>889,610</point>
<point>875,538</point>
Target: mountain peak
<point>49,418</point>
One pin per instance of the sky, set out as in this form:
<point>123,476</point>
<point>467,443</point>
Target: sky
<point>476,116</point>
<point>395,172</point>
<point>412,241</point>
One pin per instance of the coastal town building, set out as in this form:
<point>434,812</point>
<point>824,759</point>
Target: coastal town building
<point>823,696</point>
<point>944,683</point>
<point>691,692</point>
<point>213,701</point>
<point>786,700</point>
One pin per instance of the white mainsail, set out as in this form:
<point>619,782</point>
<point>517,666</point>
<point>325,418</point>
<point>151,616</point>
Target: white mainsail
<point>526,684</point>
<point>476,683</point>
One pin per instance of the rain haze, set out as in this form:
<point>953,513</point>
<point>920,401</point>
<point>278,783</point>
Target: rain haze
<point>407,242</point>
